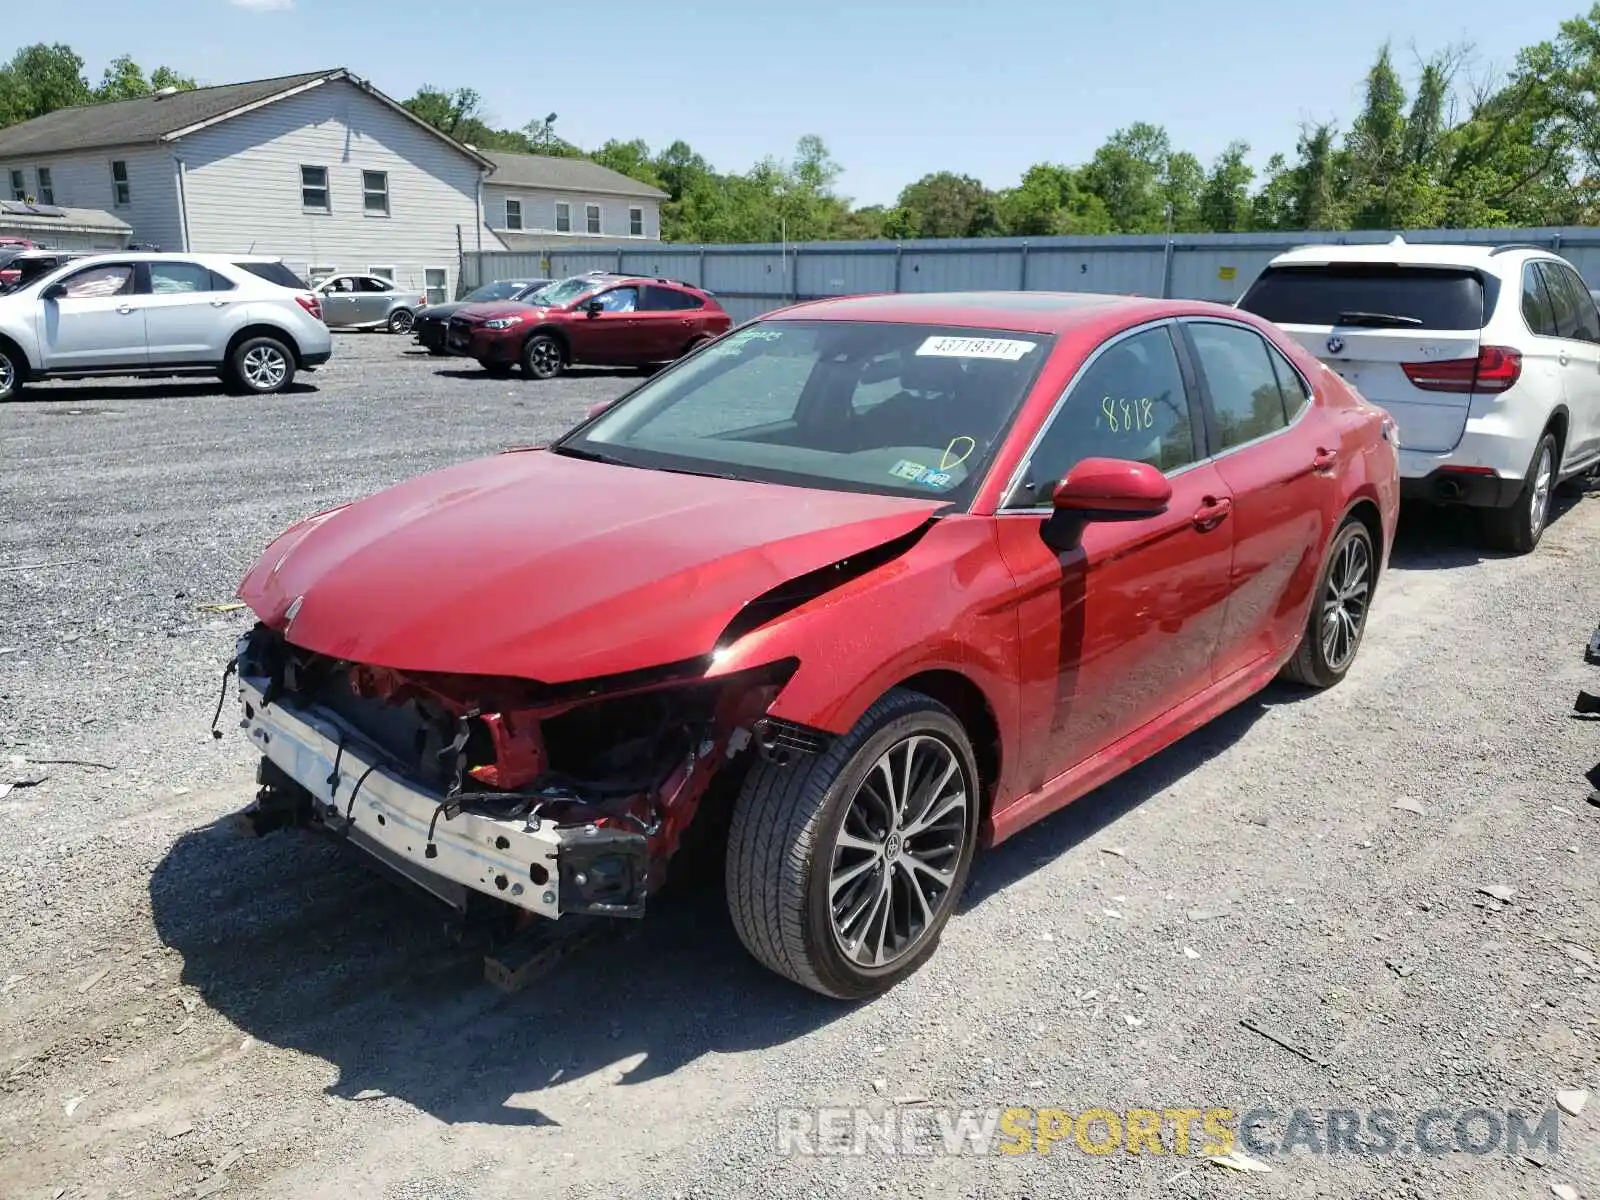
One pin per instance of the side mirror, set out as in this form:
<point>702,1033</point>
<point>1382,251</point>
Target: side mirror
<point>55,291</point>
<point>1103,489</point>
<point>593,307</point>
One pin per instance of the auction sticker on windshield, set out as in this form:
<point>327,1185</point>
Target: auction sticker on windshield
<point>1004,349</point>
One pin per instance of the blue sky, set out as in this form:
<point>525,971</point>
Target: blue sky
<point>896,90</point>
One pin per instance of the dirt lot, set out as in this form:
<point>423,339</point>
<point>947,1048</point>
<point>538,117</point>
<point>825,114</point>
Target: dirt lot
<point>186,1011</point>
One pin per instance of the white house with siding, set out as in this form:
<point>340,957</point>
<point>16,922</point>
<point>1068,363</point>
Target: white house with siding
<point>321,170</point>
<point>535,202</point>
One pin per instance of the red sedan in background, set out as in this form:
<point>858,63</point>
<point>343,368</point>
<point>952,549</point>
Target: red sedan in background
<point>866,584</point>
<point>596,320</point>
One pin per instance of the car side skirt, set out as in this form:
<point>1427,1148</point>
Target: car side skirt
<point>1142,743</point>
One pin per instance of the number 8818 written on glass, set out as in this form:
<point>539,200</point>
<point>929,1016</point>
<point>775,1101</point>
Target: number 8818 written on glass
<point>1131,416</point>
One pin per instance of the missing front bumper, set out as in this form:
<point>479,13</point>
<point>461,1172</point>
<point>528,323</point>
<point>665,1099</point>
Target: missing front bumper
<point>532,865</point>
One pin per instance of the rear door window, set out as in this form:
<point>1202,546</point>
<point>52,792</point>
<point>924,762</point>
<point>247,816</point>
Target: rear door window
<point>1381,295</point>
<point>661,298</point>
<point>1574,307</point>
<point>1246,400</point>
<point>1537,310</point>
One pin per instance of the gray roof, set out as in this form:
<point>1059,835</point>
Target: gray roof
<point>155,118</point>
<point>563,175</point>
<point>147,119</point>
<point>48,219</point>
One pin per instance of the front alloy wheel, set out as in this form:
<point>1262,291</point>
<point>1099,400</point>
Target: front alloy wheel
<point>844,866</point>
<point>896,853</point>
<point>401,320</point>
<point>10,376</point>
<point>542,357</point>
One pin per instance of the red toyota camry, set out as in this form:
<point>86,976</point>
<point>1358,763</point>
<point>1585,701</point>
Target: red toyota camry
<point>848,593</point>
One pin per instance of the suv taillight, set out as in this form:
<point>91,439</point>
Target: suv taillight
<point>310,303</point>
<point>1495,369</point>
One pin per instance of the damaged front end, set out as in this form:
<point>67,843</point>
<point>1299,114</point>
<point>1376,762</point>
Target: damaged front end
<point>553,799</point>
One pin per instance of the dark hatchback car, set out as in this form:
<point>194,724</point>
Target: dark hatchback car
<point>597,320</point>
<point>432,322</point>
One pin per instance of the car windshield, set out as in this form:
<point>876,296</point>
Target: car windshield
<point>500,290</point>
<point>883,407</point>
<point>565,291</point>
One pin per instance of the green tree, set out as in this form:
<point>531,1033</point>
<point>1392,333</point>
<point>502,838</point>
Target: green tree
<point>1225,203</point>
<point>947,205</point>
<point>1129,174</point>
<point>40,79</point>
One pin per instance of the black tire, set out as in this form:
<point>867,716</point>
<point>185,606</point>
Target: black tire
<point>694,344</point>
<point>1349,575</point>
<point>260,366</point>
<point>11,369</point>
<point>401,320</point>
<point>543,357</point>
<point>783,846</point>
<point>1517,529</point>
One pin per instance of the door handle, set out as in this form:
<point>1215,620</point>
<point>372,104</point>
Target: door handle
<point>218,303</point>
<point>1212,512</point>
<point>1562,358</point>
<point>124,309</point>
<point>1324,460</point>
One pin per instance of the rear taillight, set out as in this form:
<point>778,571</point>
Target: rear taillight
<point>422,302</point>
<point>1494,370</point>
<point>311,304</point>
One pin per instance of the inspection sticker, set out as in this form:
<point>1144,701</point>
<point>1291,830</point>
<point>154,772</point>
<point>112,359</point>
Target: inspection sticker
<point>1004,349</point>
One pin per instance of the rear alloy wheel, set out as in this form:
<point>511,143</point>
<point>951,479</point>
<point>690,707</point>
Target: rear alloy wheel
<point>401,320</point>
<point>844,867</point>
<point>1518,528</point>
<point>10,375</point>
<point>261,365</point>
<point>1339,613</point>
<point>542,357</point>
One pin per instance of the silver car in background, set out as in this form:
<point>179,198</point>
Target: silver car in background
<point>355,301</point>
<point>249,319</point>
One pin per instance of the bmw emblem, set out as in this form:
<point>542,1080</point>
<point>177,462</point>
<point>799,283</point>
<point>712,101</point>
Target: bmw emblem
<point>1336,344</point>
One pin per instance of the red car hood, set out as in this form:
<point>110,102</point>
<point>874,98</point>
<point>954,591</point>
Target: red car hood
<point>544,567</point>
<point>489,309</point>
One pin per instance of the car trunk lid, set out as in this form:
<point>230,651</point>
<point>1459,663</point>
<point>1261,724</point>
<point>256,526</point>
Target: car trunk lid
<point>1406,336</point>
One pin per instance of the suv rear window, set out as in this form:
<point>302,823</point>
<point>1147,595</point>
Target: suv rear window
<point>275,272</point>
<point>1431,297</point>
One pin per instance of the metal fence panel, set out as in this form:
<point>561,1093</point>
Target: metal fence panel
<point>752,279</point>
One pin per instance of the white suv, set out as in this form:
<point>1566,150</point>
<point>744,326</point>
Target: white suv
<point>1487,357</point>
<point>250,320</point>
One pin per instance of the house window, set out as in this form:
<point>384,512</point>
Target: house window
<point>19,185</point>
<point>636,222</point>
<point>563,217</point>
<point>513,214</point>
<point>121,197</point>
<point>47,189</point>
<point>591,214</point>
<point>314,189</point>
<point>375,193</point>
<point>436,282</point>
<point>317,275</point>
<point>382,272</point>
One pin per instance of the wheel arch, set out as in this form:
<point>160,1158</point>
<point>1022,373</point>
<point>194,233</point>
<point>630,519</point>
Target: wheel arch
<point>1365,509</point>
<point>25,366</point>
<point>549,330</point>
<point>962,696</point>
<point>262,329</point>
<point>1559,423</point>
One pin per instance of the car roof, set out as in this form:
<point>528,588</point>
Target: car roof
<point>1403,253</point>
<point>1032,312</point>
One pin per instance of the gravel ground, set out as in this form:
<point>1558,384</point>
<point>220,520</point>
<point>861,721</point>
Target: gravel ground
<point>187,1011</point>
